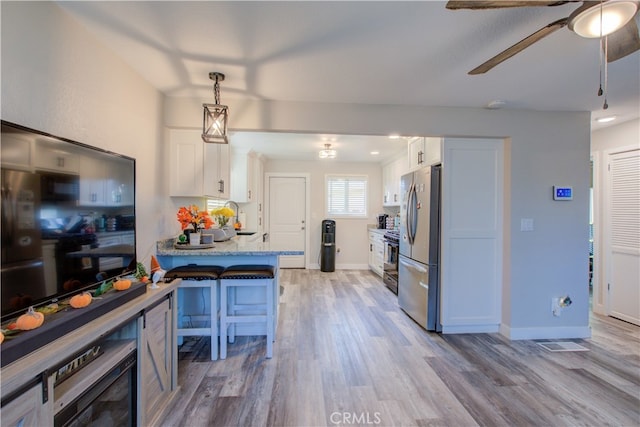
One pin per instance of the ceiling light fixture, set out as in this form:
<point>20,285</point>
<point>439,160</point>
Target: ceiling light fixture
<point>214,122</point>
<point>596,19</point>
<point>327,153</point>
<point>605,119</point>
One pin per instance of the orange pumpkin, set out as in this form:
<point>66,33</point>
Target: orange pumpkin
<point>1,337</point>
<point>80,300</point>
<point>30,320</point>
<point>122,284</point>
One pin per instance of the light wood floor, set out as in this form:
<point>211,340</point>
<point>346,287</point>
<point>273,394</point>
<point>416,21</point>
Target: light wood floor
<point>345,354</point>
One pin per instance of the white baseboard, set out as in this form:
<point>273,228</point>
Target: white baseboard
<point>541,333</point>
<point>469,329</point>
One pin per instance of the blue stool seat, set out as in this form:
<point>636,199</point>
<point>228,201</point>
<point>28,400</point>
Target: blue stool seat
<point>236,276</point>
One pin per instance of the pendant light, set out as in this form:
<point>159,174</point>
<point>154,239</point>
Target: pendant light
<point>214,122</point>
<point>327,153</point>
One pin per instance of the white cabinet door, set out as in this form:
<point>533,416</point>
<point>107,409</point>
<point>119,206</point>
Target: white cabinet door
<point>416,153</point>
<point>27,410</point>
<point>92,182</point>
<point>432,151</point>
<point>16,152</point>
<point>56,158</point>
<point>243,179</point>
<point>119,185</point>
<point>216,171</point>
<point>186,163</point>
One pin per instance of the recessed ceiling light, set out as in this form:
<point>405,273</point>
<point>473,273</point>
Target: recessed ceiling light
<point>375,153</point>
<point>394,136</point>
<point>605,119</point>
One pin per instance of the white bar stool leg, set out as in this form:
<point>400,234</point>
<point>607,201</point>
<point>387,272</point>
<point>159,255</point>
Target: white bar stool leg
<point>223,320</point>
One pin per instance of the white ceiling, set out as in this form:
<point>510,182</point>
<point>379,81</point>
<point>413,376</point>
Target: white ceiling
<point>390,53</point>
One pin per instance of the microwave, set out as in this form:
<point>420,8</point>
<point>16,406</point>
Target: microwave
<point>59,187</point>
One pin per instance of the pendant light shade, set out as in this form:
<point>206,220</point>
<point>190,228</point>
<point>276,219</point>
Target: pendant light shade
<point>214,121</point>
<point>327,153</point>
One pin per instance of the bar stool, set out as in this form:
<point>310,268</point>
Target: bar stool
<point>200,276</point>
<point>237,276</point>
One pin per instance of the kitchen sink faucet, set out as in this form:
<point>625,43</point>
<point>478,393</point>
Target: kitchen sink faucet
<point>236,209</point>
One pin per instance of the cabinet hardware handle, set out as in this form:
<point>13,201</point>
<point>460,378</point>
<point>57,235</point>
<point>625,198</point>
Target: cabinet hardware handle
<point>221,186</point>
<point>420,159</point>
<point>249,194</point>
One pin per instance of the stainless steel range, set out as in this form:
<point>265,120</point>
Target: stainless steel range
<point>391,252</point>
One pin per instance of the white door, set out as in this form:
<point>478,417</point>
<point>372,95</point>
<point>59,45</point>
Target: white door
<point>624,239</point>
<point>287,218</point>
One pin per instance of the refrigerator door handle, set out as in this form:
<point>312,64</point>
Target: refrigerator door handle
<point>424,285</point>
<point>410,217</point>
<point>413,266</point>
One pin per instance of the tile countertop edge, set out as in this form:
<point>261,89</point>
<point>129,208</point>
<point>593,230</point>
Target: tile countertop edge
<point>239,245</point>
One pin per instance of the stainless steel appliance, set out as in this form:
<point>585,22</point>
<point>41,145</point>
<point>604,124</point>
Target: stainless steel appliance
<point>391,252</point>
<point>59,187</point>
<point>21,243</point>
<point>418,265</point>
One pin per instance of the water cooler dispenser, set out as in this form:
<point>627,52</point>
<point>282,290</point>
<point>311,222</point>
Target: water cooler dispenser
<point>328,248</point>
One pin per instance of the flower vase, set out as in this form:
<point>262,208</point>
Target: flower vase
<point>194,238</point>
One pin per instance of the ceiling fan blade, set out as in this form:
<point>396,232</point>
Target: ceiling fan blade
<point>520,46</point>
<point>623,42</point>
<point>499,4</point>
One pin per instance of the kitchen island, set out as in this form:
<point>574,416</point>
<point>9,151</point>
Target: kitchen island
<point>195,299</point>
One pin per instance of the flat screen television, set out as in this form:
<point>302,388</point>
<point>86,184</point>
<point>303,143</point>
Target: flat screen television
<point>68,217</point>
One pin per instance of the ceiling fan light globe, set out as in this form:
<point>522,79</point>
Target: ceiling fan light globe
<point>585,21</point>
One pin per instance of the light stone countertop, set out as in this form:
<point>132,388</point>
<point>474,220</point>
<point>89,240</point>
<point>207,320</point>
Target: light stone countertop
<point>238,245</point>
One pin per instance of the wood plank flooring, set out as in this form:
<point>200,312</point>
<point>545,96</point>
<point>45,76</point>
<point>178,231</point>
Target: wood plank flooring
<point>345,354</point>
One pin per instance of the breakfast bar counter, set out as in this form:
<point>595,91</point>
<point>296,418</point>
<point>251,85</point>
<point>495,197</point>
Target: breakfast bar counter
<point>195,299</point>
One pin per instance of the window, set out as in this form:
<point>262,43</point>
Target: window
<point>214,204</point>
<point>346,196</point>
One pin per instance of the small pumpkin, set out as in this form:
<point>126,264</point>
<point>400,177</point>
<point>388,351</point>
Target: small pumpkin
<point>1,337</point>
<point>122,284</point>
<point>80,300</point>
<point>30,320</point>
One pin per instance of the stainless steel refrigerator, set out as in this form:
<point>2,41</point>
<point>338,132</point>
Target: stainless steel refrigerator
<point>418,266</point>
<point>22,266</point>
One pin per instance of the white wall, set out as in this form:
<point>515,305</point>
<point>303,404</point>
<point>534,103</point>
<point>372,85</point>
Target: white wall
<point>604,142</point>
<point>351,234</point>
<point>544,149</point>
<point>56,78</point>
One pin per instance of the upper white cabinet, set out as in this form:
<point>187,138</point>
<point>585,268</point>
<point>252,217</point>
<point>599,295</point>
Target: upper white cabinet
<point>54,157</point>
<point>424,152</point>
<point>197,169</point>
<point>391,174</point>
<point>16,152</point>
<point>243,170</point>
<point>105,183</point>
<point>186,163</point>
<point>216,171</point>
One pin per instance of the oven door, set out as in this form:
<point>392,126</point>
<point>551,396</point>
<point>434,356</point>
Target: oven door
<point>390,275</point>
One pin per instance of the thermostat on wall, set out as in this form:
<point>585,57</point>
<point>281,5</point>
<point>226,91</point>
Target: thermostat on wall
<point>562,193</point>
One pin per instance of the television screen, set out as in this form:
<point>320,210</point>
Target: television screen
<point>68,217</point>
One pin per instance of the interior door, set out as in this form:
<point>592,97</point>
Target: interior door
<point>624,240</point>
<point>287,215</point>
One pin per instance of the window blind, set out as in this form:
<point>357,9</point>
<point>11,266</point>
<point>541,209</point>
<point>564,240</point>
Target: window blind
<point>346,195</point>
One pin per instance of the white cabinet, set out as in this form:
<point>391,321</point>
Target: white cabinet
<point>16,152</point>
<point>424,152</point>
<point>391,174</point>
<point>186,163</point>
<point>197,169</point>
<point>244,172</point>
<point>92,182</point>
<point>376,252</point>
<point>55,157</point>
<point>216,172</point>
<point>119,184</point>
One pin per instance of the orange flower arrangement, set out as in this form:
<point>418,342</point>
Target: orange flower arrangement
<point>193,216</point>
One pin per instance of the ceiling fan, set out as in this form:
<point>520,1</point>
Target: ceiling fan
<point>588,20</point>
